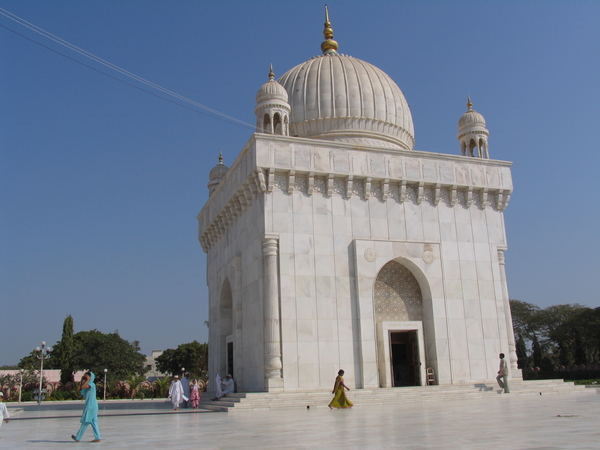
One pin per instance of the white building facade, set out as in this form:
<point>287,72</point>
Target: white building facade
<point>332,244</point>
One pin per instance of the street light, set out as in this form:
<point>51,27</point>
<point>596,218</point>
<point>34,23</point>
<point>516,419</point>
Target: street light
<point>44,353</point>
<point>105,370</point>
<point>21,385</point>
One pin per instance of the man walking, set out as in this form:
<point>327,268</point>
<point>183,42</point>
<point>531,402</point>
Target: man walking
<point>502,377</point>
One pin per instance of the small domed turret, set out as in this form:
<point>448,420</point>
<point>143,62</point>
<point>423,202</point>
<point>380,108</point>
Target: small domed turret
<point>272,108</point>
<point>216,175</point>
<point>473,134</point>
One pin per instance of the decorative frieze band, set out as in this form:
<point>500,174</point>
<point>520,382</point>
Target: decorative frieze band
<point>417,192</point>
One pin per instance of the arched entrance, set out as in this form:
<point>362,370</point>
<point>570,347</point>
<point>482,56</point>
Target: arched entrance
<point>398,315</point>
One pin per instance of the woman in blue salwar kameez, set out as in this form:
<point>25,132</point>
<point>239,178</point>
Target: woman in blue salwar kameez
<point>90,408</point>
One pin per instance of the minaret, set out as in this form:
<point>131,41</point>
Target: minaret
<point>216,174</point>
<point>272,108</point>
<point>472,133</point>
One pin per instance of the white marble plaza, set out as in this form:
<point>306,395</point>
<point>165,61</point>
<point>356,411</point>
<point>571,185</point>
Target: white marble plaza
<point>552,422</point>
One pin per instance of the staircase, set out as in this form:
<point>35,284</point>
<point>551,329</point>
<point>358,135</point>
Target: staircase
<point>320,399</point>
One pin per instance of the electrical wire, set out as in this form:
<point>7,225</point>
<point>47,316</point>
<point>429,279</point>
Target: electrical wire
<point>116,68</point>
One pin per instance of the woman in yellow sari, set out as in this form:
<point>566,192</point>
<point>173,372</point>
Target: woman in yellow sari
<point>339,390</point>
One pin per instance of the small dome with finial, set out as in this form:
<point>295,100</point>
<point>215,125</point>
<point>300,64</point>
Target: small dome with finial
<point>471,118</point>
<point>216,175</point>
<point>271,90</point>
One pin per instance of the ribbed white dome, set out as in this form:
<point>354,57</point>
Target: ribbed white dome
<point>271,90</point>
<point>337,97</point>
<point>469,119</point>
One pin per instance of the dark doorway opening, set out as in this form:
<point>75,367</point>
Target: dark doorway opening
<point>404,352</point>
<point>230,358</point>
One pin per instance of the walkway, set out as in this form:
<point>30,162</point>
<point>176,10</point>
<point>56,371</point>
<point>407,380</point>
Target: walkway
<point>546,422</point>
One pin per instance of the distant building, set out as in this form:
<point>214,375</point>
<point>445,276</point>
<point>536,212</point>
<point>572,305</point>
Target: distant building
<point>152,373</point>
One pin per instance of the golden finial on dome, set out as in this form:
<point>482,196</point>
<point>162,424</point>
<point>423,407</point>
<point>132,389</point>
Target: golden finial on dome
<point>469,104</point>
<point>328,45</point>
<point>271,73</point>
<point>221,157</point>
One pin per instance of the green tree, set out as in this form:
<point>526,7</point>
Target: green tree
<point>63,350</point>
<point>193,356</point>
<point>96,351</point>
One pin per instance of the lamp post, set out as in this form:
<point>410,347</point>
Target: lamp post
<point>105,370</point>
<point>21,385</point>
<point>44,353</point>
<point>182,372</point>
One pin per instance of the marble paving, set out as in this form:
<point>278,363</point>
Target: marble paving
<point>549,422</point>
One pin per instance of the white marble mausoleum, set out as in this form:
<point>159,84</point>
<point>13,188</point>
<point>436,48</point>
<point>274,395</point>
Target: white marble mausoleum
<point>332,244</point>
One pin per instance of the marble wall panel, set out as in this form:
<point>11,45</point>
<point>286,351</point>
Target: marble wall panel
<point>288,331</point>
<point>472,308</point>
<point>287,286</point>
<point>488,308</point>
<point>308,374</point>
<point>455,308</point>
<point>288,307</point>
<point>414,230</point>
<point>431,232</point>
<point>323,225</point>
<point>379,229</point>
<point>361,228</point>
<point>449,251</point>
<point>377,209</point>
<point>482,251</point>
<point>305,287</point>
<point>280,223</point>
<point>396,230</point>
<point>305,265</point>
<point>464,233</point>
<point>328,351</point>
<point>466,251</point>
<point>290,375</point>
<point>490,328</point>
<point>328,373</point>
<point>307,328</point>
<point>342,226</point>
<point>342,265</point>
<point>303,223</point>
<point>302,203</point>
<point>279,202</point>
<point>340,206</point>
<point>470,289</point>
<point>395,210</point>
<point>327,309</point>
<point>325,265</point>
<point>453,290</point>
<point>484,270</point>
<point>474,331</point>
<point>359,207</point>
<point>325,286</point>
<point>478,369</point>
<point>321,205</point>
<point>323,244</point>
<point>345,303</point>
<point>303,244</point>
<point>345,323</point>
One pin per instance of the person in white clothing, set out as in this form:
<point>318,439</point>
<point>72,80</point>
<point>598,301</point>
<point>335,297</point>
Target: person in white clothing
<point>4,416</point>
<point>176,393</point>
<point>228,385</point>
<point>502,377</point>
<point>185,384</point>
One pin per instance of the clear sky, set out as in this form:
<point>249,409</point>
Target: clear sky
<point>100,182</point>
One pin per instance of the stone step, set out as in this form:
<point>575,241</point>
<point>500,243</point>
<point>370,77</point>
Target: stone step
<point>320,399</point>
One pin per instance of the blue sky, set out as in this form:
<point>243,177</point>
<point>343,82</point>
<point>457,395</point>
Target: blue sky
<point>100,183</point>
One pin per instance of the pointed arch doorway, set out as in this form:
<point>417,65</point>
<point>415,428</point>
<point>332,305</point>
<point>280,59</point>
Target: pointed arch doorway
<point>398,314</point>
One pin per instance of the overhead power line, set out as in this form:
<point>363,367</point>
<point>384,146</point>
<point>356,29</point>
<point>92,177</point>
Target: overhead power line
<point>116,68</point>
